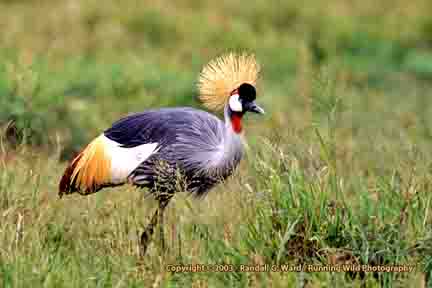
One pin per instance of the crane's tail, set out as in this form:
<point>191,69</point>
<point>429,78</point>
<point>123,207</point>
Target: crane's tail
<point>89,171</point>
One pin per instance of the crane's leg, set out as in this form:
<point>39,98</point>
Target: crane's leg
<point>157,219</point>
<point>162,205</point>
<point>148,233</point>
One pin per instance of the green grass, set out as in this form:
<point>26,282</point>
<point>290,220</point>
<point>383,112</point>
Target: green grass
<point>337,172</point>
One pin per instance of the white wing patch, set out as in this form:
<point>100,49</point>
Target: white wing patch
<point>125,160</point>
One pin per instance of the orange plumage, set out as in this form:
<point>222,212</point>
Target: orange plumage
<point>89,171</point>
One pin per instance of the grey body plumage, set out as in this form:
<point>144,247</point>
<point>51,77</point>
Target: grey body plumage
<point>193,144</point>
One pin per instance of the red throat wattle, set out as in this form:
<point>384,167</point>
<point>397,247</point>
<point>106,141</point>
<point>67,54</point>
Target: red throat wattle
<point>236,122</point>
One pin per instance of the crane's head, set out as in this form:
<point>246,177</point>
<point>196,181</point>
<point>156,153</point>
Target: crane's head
<point>242,100</point>
<point>230,81</point>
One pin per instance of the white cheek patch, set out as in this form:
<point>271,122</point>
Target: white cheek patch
<point>235,104</point>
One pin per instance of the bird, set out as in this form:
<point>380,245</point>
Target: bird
<point>173,149</point>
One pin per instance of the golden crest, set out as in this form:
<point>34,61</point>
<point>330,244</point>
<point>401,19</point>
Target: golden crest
<point>223,75</point>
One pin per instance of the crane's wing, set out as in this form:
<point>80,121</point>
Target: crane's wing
<point>118,151</point>
<point>103,163</point>
<point>113,155</point>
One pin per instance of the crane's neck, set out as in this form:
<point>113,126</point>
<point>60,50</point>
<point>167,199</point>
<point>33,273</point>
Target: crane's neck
<point>230,150</point>
<point>232,143</point>
<point>233,120</point>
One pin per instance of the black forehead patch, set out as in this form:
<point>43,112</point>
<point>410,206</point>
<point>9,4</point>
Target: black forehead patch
<point>247,92</point>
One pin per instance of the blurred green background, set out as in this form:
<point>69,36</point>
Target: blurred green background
<point>347,87</point>
<point>70,68</point>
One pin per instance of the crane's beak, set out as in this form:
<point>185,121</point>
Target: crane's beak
<point>253,107</point>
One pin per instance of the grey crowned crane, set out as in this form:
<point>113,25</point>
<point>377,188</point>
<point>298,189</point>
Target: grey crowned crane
<point>151,149</point>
